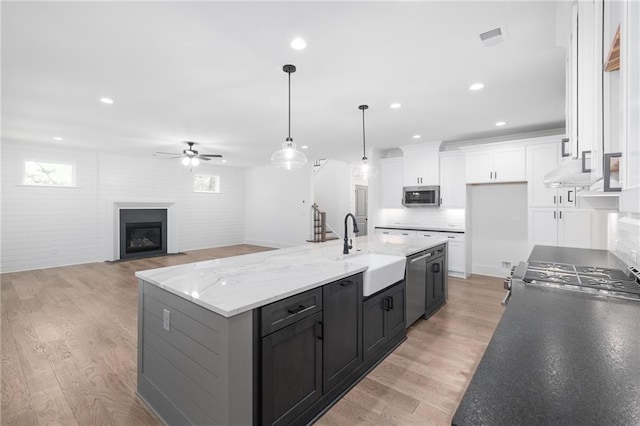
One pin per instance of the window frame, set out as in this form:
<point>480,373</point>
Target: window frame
<point>218,185</point>
<point>72,184</point>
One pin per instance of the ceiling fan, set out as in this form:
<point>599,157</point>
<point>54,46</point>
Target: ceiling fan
<point>190,156</point>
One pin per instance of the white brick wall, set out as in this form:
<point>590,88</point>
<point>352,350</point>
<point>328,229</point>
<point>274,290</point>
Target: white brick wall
<point>44,227</point>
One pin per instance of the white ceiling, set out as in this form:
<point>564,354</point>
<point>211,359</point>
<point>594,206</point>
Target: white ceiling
<point>212,72</point>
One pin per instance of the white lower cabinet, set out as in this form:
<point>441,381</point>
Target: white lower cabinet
<point>560,227</point>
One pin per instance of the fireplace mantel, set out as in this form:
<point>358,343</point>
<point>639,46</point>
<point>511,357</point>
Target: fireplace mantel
<point>172,222</point>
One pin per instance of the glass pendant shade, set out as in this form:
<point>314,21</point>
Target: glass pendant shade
<point>190,161</point>
<point>288,158</point>
<point>365,171</point>
<point>185,161</point>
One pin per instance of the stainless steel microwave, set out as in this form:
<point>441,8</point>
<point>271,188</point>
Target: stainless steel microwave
<point>421,196</point>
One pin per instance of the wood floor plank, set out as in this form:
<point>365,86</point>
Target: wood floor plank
<point>69,357</point>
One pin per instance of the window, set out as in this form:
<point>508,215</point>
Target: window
<point>206,183</point>
<point>48,174</point>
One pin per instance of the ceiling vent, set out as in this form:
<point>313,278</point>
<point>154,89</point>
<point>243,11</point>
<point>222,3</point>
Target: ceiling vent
<point>492,37</point>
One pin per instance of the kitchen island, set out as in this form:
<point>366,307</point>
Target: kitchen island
<point>559,357</point>
<point>267,338</point>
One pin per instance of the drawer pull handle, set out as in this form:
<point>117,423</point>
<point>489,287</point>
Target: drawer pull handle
<point>297,309</point>
<point>346,283</point>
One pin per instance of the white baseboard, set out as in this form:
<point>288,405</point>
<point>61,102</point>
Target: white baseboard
<point>491,271</point>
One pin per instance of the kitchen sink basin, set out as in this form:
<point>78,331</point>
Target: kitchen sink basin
<point>383,270</point>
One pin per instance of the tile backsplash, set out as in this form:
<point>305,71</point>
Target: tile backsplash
<point>425,216</point>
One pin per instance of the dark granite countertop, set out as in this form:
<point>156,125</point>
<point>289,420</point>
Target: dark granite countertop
<point>559,357</point>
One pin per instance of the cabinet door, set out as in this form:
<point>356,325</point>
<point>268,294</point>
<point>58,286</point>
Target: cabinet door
<point>543,226</point>
<point>396,310</point>
<point>541,159</point>
<point>574,228</point>
<point>412,166</point>
<point>479,167</point>
<point>453,190</point>
<point>374,330</point>
<point>509,165</point>
<point>342,330</point>
<point>567,197</point>
<point>291,370</point>
<point>435,285</point>
<point>457,256</point>
<point>391,182</point>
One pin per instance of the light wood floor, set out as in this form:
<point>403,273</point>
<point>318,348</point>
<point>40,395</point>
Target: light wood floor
<point>68,346</point>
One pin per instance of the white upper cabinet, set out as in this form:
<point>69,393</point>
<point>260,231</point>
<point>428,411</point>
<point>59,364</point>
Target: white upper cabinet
<point>452,180</point>
<point>497,164</point>
<point>391,178</point>
<point>421,164</point>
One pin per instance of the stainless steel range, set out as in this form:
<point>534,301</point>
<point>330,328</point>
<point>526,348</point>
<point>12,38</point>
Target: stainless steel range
<point>602,281</point>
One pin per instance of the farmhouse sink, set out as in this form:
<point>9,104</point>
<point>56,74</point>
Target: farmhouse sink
<point>383,270</point>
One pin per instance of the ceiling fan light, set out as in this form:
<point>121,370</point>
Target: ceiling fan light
<point>194,161</point>
<point>185,161</point>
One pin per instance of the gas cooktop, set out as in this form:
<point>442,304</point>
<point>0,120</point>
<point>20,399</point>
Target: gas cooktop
<point>613,281</point>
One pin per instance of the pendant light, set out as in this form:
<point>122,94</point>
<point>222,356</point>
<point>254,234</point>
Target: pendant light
<point>289,157</point>
<point>364,171</point>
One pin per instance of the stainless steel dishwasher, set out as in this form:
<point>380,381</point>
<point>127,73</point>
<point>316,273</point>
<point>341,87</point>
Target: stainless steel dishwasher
<point>417,285</point>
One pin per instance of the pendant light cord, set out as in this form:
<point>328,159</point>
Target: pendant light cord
<point>289,138</point>
<point>364,149</point>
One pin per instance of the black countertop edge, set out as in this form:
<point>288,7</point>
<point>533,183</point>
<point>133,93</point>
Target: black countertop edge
<point>419,228</point>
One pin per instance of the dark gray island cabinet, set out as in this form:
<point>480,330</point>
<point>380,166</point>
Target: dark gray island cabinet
<point>282,363</point>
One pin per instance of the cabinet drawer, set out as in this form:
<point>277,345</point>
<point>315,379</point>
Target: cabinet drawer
<point>287,311</point>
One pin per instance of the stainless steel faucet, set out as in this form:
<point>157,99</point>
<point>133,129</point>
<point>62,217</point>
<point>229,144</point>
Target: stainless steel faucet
<point>347,241</point>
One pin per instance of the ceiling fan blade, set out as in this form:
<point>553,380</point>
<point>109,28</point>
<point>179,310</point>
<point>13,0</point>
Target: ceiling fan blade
<point>203,158</point>
<point>211,155</point>
<point>179,156</point>
<point>168,153</point>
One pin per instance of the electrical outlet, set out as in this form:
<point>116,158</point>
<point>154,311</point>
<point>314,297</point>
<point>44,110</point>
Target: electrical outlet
<point>166,319</point>
<point>505,264</point>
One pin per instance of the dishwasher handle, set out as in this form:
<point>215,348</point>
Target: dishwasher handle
<point>424,256</point>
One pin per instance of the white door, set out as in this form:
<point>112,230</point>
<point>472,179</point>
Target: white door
<point>574,228</point>
<point>361,209</point>
<point>541,159</point>
<point>509,165</point>
<point>452,181</point>
<point>543,226</point>
<point>479,166</point>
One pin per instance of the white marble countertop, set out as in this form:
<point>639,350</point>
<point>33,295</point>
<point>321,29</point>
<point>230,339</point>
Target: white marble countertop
<point>233,285</point>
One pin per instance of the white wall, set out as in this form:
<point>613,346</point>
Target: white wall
<point>44,227</point>
<point>498,218</point>
<point>333,192</point>
<point>278,206</point>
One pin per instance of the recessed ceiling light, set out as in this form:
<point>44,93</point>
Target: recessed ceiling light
<point>298,44</point>
<point>417,136</point>
<point>396,105</point>
<point>501,123</point>
<point>476,86</point>
<point>57,138</point>
<point>106,100</point>
<point>305,147</point>
<point>224,161</point>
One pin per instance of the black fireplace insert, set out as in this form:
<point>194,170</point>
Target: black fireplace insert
<point>143,233</point>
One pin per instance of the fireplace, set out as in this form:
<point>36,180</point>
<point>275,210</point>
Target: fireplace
<point>143,233</point>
